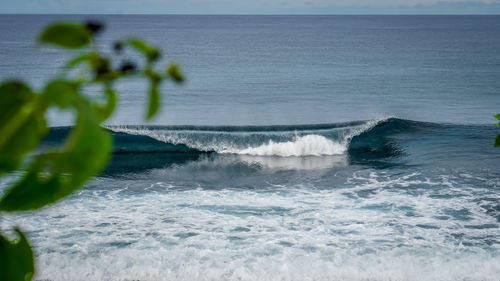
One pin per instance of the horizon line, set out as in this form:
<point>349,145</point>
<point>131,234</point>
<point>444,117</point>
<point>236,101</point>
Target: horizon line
<point>262,14</point>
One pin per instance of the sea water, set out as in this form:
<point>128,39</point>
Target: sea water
<point>300,148</point>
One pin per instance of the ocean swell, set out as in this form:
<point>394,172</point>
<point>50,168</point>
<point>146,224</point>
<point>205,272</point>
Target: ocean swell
<point>365,139</point>
<point>282,141</point>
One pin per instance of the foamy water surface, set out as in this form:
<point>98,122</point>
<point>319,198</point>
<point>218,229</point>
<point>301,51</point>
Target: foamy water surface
<point>377,226</point>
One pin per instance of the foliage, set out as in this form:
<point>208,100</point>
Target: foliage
<point>497,140</point>
<point>16,259</point>
<point>48,176</point>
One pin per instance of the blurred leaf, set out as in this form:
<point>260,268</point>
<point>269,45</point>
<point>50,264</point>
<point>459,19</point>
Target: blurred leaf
<point>497,140</point>
<point>154,100</point>
<point>16,259</point>
<point>173,71</point>
<point>37,188</point>
<point>66,35</point>
<point>105,111</point>
<point>152,54</point>
<point>14,97</point>
<point>139,45</point>
<point>88,57</point>
<point>16,104</point>
<point>53,176</point>
<point>22,125</point>
<point>89,147</point>
<point>25,139</point>
<point>60,92</point>
<point>497,116</point>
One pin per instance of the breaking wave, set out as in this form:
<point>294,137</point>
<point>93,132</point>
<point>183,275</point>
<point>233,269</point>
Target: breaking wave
<point>284,141</point>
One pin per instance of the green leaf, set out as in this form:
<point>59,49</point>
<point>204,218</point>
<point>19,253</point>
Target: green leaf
<point>173,71</point>
<point>104,112</point>
<point>37,188</point>
<point>60,92</point>
<point>22,124</point>
<point>66,35</point>
<point>497,116</point>
<point>88,57</point>
<point>140,45</point>
<point>25,139</point>
<point>53,176</point>
<point>88,149</point>
<point>154,100</point>
<point>16,259</point>
<point>497,141</point>
<point>13,96</point>
<point>152,54</point>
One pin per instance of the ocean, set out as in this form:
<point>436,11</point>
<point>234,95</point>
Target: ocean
<point>300,148</point>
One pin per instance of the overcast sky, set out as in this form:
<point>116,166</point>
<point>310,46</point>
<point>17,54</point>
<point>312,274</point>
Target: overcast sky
<point>252,6</point>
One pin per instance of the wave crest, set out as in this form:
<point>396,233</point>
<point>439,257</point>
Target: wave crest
<point>309,145</point>
<point>284,141</point>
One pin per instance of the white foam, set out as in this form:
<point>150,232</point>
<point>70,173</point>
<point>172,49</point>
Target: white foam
<point>309,145</point>
<point>361,231</point>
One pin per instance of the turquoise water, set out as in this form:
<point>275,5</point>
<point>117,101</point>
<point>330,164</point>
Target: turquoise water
<point>301,148</point>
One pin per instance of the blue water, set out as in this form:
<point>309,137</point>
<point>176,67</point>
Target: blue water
<point>301,148</point>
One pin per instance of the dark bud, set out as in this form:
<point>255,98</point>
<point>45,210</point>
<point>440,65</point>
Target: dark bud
<point>94,26</point>
<point>127,66</point>
<point>102,67</point>
<point>118,47</point>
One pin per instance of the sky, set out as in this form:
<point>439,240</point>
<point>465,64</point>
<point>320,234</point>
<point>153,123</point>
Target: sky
<point>251,6</point>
